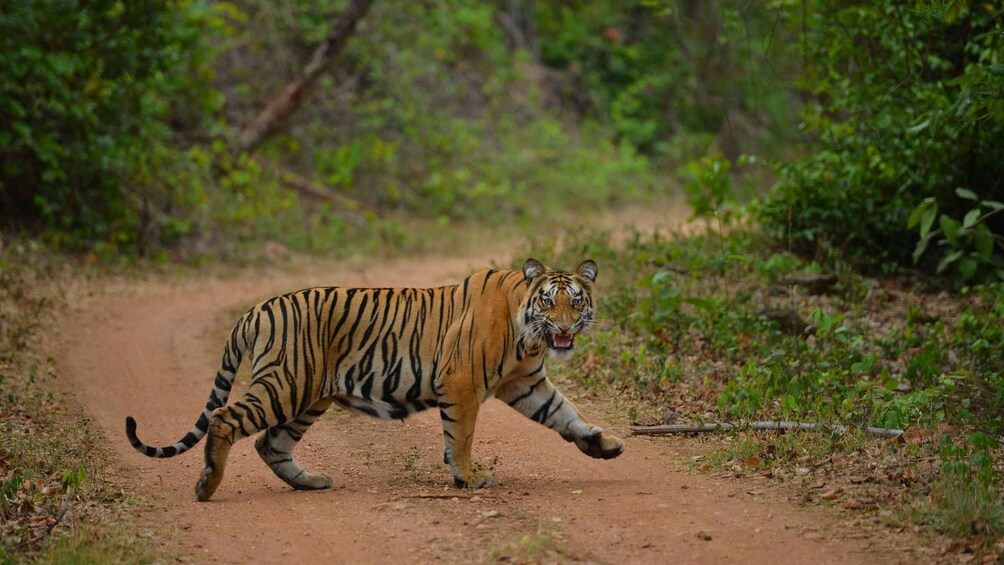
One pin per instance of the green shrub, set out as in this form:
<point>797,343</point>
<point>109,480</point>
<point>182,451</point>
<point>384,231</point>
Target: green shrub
<point>87,89</point>
<point>905,112</point>
<point>673,77</point>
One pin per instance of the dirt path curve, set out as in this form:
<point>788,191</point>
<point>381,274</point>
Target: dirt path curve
<point>150,350</point>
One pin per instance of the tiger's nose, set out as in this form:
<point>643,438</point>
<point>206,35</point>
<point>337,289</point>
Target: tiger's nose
<point>564,328</point>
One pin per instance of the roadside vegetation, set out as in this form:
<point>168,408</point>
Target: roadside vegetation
<point>842,162</point>
<point>56,501</point>
<point>732,327</point>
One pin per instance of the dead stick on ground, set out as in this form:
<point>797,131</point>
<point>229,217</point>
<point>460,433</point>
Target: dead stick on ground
<point>48,530</point>
<point>767,425</point>
<point>443,496</point>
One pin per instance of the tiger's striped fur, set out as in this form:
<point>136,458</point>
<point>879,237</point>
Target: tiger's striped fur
<point>391,352</point>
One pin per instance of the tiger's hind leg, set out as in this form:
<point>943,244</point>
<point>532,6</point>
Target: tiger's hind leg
<point>275,447</point>
<point>253,413</point>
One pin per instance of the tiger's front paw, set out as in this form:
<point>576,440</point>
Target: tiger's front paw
<point>475,479</point>
<point>600,445</point>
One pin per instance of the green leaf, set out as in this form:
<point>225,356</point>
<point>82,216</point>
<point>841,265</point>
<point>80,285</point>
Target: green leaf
<point>949,259</point>
<point>919,127</point>
<point>949,227</point>
<point>22,129</point>
<point>993,204</point>
<point>983,241</point>
<point>967,268</point>
<point>915,215</point>
<point>967,194</point>
<point>921,247</point>
<point>954,9</point>
<point>928,220</point>
<point>971,217</point>
<point>997,69</point>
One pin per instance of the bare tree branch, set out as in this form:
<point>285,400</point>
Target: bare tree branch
<point>352,209</point>
<point>768,425</point>
<point>276,114</point>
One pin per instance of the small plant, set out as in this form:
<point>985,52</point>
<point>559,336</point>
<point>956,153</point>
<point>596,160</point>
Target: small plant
<point>969,244</point>
<point>73,479</point>
<point>711,192</point>
<point>967,500</point>
<point>543,546</point>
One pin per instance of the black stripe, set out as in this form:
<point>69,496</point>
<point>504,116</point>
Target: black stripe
<point>526,394</point>
<point>487,276</point>
<point>223,383</point>
<point>541,414</point>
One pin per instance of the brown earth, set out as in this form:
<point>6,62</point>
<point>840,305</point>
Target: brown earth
<point>150,349</point>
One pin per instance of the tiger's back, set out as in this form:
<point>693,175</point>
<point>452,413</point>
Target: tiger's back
<point>376,350</point>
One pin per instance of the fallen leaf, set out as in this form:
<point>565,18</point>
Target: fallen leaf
<point>831,494</point>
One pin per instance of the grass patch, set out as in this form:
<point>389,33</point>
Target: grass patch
<point>964,508</point>
<point>771,452</point>
<point>55,503</point>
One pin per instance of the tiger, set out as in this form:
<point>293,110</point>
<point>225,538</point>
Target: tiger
<point>392,352</point>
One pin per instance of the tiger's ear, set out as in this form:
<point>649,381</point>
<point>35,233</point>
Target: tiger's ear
<point>532,268</point>
<point>587,270</point>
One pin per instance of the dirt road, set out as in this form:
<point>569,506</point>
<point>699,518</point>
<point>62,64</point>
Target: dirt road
<point>151,349</point>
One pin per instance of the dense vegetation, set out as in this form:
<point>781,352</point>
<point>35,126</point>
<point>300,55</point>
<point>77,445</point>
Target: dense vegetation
<point>121,117</point>
<point>906,119</point>
<point>120,120</point>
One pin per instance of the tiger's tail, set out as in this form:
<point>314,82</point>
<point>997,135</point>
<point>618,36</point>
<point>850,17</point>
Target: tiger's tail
<point>232,354</point>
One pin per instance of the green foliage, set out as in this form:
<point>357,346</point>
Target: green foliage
<point>447,121</point>
<point>712,192</point>
<point>118,116</point>
<point>906,121</point>
<point>692,336</point>
<point>969,245</point>
<point>87,88</point>
<point>691,312</point>
<point>673,76</point>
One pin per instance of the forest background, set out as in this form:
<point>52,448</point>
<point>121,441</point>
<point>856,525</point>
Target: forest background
<point>867,126</point>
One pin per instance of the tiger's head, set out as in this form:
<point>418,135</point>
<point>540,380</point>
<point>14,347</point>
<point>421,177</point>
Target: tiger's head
<point>558,305</point>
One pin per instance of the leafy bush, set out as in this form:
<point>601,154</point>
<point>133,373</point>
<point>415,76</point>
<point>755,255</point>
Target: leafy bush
<point>695,323</point>
<point>672,77</point>
<point>906,119</point>
<point>87,89</point>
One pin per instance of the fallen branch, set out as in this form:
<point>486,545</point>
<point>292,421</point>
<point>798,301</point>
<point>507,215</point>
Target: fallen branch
<point>48,530</point>
<point>306,188</point>
<point>766,425</point>
<point>445,495</point>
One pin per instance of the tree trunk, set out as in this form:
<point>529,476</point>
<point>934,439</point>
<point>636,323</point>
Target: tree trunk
<point>276,114</point>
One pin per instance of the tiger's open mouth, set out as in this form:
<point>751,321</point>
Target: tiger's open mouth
<point>560,341</point>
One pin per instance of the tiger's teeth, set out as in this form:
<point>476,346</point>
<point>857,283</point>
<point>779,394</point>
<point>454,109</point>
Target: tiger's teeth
<point>561,339</point>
